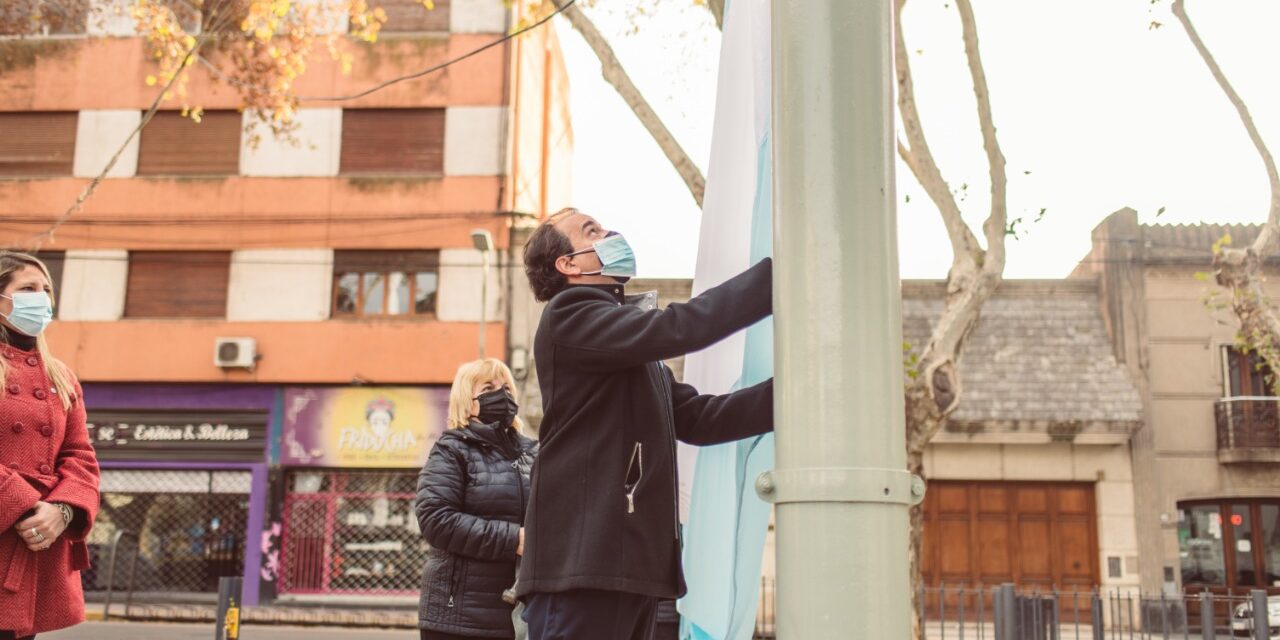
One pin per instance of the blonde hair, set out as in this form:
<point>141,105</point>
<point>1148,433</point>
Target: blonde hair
<point>465,381</point>
<point>11,262</point>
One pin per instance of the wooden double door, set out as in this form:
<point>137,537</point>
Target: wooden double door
<point>1037,535</point>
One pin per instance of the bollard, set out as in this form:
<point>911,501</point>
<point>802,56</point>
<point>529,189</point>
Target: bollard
<point>1006,613</point>
<point>1207,630</point>
<point>1261,626</point>
<point>227,623</point>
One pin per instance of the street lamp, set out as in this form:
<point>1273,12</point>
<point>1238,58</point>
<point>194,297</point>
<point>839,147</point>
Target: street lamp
<point>483,241</point>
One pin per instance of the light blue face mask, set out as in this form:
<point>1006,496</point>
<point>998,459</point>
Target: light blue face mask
<point>32,312</point>
<point>616,258</point>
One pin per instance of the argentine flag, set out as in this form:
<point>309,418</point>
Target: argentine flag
<point>726,522</point>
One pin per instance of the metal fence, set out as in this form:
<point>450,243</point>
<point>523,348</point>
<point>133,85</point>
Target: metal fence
<point>351,532</point>
<point>189,529</point>
<point>1005,613</point>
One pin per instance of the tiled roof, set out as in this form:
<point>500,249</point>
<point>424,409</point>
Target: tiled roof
<point>1039,360</point>
<point>1172,241</point>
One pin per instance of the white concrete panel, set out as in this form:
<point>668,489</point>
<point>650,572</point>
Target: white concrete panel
<point>314,151</point>
<point>99,135</point>
<point>478,16</point>
<point>964,462</point>
<point>460,277</point>
<point>333,17</point>
<point>1038,462</point>
<point>472,141</point>
<point>280,284</point>
<point>1102,463</point>
<point>93,285</point>
<point>110,18</point>
<point>1114,498</point>
<point>1117,533</point>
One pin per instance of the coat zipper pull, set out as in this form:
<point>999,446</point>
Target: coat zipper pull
<point>451,602</point>
<point>631,503</point>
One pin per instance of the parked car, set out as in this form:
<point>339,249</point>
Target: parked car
<point>1242,620</point>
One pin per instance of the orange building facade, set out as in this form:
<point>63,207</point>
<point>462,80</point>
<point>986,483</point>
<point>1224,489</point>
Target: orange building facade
<point>266,329</point>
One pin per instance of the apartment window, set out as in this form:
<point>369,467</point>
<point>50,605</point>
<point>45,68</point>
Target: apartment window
<point>1247,375</point>
<point>370,284</point>
<point>392,141</point>
<point>1232,543</point>
<point>177,284</point>
<point>177,146</point>
<point>408,16</point>
<point>43,18</point>
<point>53,261</point>
<point>37,143</point>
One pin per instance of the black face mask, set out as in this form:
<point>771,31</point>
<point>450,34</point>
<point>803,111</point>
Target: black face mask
<point>497,406</point>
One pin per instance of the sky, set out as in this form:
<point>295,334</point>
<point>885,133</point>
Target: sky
<point>1096,111</point>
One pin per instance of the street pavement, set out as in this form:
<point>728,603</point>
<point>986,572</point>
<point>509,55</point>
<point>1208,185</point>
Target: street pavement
<point>170,631</point>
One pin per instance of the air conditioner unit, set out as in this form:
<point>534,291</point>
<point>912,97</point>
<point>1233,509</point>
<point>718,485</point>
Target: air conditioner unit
<point>235,353</point>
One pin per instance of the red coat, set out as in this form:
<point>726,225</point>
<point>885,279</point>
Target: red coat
<point>45,454</point>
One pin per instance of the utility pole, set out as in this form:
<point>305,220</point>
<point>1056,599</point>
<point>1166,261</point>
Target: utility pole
<point>840,482</point>
<point>483,241</point>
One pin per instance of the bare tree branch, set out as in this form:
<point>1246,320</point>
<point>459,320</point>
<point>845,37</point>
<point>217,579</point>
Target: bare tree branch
<point>996,222</point>
<point>918,157</point>
<point>38,240</point>
<point>617,76</point>
<point>1262,244</point>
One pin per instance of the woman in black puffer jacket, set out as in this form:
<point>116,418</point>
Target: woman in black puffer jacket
<point>471,502</point>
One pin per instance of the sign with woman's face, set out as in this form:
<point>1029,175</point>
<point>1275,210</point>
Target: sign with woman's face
<point>362,426</point>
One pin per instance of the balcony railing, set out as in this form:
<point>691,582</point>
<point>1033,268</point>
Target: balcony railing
<point>1248,429</point>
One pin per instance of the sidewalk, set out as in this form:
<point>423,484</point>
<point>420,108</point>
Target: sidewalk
<point>203,631</point>
<point>397,618</point>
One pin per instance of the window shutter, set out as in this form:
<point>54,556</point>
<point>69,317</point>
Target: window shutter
<point>37,143</point>
<point>411,16</point>
<point>177,284</point>
<point>407,261</point>
<point>174,145</point>
<point>391,141</point>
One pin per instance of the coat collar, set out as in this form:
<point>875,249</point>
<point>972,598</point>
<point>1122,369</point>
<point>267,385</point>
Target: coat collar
<point>615,291</point>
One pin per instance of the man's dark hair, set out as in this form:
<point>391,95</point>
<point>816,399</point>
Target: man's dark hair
<point>544,247</point>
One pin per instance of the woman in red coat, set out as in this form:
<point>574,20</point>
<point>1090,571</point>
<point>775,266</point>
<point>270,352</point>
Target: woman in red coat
<point>48,471</point>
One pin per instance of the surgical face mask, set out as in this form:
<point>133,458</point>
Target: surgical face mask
<point>32,312</point>
<point>616,258</point>
<point>497,406</point>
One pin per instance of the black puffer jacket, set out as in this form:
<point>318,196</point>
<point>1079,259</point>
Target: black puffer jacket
<point>471,502</point>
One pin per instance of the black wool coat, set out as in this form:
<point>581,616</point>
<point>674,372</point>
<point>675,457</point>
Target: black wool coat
<point>602,513</point>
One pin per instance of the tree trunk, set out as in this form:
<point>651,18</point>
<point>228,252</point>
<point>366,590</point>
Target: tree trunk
<point>617,76</point>
<point>1239,270</point>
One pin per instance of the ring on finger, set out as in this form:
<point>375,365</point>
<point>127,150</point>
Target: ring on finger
<point>32,533</point>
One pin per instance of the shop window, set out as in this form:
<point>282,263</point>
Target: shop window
<point>177,284</point>
<point>1230,543</point>
<point>1270,526</point>
<point>179,146</point>
<point>385,283</point>
<point>392,141</point>
<point>351,532</point>
<point>189,528</point>
<point>37,143</point>
<point>410,16</point>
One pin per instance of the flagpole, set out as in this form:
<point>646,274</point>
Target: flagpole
<point>840,483</point>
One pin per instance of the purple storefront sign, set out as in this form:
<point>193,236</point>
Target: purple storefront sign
<point>361,427</point>
<point>104,397</point>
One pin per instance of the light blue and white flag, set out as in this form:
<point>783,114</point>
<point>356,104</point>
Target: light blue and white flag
<point>726,522</point>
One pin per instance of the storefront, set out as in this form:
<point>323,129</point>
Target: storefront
<point>1230,545</point>
<point>350,459</point>
<point>184,471</point>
